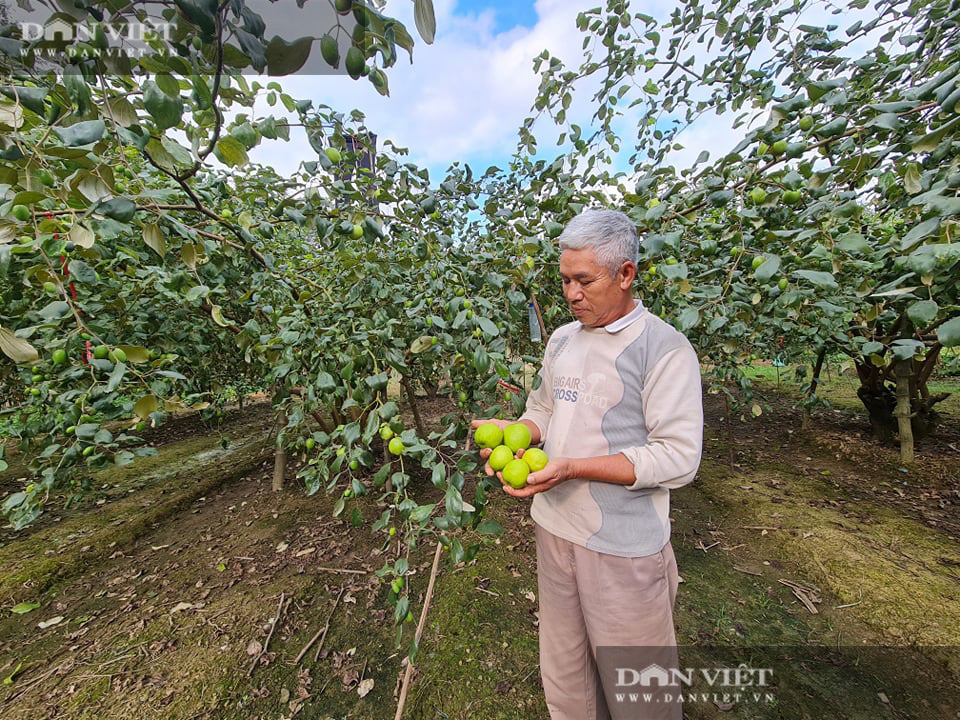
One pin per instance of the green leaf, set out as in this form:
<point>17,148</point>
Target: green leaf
<point>922,313</point>
<point>81,272</point>
<point>166,111</point>
<point>688,319</point>
<point>422,513</point>
<point>81,133</point>
<point>153,237</point>
<point>490,527</point>
<point>918,232</point>
<point>425,19</point>
<point>24,607</point>
<point>421,344</point>
<point>768,269</point>
<point>439,475</point>
<point>197,292</point>
<point>145,406</point>
<point>818,278</point>
<point>121,209</point>
<point>231,151</point>
<point>911,179</point>
<point>948,334</point>
<point>82,236</point>
<point>20,351</point>
<point>854,243</point>
<point>286,58</point>
<point>116,377</point>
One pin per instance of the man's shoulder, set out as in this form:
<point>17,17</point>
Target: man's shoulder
<point>653,337</point>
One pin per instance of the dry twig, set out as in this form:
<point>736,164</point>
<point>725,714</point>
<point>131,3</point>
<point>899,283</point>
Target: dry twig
<point>322,633</point>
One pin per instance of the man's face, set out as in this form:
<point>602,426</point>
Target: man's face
<point>595,298</point>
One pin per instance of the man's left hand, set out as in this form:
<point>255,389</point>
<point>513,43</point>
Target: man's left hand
<point>556,471</point>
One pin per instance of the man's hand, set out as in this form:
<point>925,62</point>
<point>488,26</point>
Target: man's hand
<point>556,471</point>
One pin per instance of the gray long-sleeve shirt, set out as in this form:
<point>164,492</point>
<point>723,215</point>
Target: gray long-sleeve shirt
<point>631,387</point>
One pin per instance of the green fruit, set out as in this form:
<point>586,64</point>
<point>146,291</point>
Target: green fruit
<point>385,432</point>
<point>35,391</point>
<point>488,435</point>
<point>762,148</point>
<point>779,147</point>
<point>59,356</point>
<point>409,617</point>
<point>515,473</point>
<point>21,212</point>
<point>348,493</point>
<point>343,6</point>
<point>516,436</point>
<point>333,154</point>
<point>500,457</point>
<point>50,288</point>
<point>71,430</point>
<point>330,51</point>
<point>758,195</point>
<point>396,446</point>
<point>100,352</point>
<point>462,397</point>
<point>354,465</point>
<point>311,443</point>
<point>806,123</point>
<point>392,531</point>
<point>792,197</point>
<point>758,261</point>
<point>88,451</point>
<point>357,232</point>
<point>355,63</point>
<point>782,284</point>
<point>671,261</point>
<point>117,355</point>
<point>536,459</point>
<point>36,378</point>
<point>467,304</point>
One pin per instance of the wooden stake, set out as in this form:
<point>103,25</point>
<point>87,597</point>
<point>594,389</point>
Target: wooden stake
<point>416,639</point>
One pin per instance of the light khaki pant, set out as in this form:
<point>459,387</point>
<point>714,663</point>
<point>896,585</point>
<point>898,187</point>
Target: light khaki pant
<point>589,600</point>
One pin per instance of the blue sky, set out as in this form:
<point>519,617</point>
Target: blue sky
<point>508,13</point>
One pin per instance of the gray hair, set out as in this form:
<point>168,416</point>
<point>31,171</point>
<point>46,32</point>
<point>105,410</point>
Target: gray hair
<point>610,233</point>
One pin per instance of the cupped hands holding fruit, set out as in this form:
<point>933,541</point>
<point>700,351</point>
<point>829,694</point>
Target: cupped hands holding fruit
<point>523,471</point>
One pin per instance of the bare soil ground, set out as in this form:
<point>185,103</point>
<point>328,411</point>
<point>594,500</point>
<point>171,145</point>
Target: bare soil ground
<point>168,579</point>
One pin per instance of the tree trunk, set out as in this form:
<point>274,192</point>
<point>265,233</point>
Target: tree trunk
<point>280,461</point>
<point>903,413</point>
<point>814,381</point>
<point>411,398</point>
<point>878,400</point>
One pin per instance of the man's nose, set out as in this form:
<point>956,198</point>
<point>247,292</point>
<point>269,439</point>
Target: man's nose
<point>573,291</point>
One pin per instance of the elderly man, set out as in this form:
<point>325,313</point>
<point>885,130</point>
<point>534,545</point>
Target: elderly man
<point>619,412</point>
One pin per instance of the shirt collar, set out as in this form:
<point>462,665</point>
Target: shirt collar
<point>628,319</point>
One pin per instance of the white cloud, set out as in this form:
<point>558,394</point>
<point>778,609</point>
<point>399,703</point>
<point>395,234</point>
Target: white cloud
<point>463,98</point>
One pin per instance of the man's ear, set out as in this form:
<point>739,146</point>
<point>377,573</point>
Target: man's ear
<point>626,275</point>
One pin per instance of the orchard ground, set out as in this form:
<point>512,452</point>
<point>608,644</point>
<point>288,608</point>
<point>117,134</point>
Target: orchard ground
<point>167,574</point>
